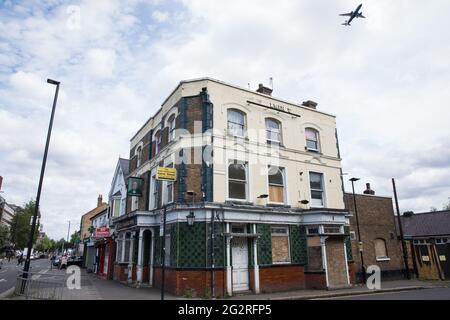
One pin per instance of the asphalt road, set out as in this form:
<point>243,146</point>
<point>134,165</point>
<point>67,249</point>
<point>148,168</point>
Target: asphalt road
<point>423,294</point>
<point>8,272</point>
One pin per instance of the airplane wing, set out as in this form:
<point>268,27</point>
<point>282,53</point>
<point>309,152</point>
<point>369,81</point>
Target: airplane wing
<point>346,14</point>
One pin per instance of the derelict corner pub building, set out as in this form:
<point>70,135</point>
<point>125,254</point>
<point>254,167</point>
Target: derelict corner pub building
<point>234,225</point>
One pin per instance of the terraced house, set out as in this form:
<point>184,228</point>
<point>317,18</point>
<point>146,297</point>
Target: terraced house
<point>257,204</point>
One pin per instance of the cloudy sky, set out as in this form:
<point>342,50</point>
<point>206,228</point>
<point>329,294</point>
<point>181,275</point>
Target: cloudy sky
<point>386,78</point>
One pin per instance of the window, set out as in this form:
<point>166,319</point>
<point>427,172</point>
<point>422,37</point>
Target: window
<point>127,247</point>
<point>312,230</point>
<point>119,249</point>
<point>312,139</point>
<point>158,139</point>
<point>276,184</point>
<point>441,240</point>
<point>116,207</point>
<point>171,123</point>
<point>138,155</point>
<point>421,242</point>
<point>155,192</point>
<point>236,123</point>
<point>238,229</point>
<point>316,186</point>
<point>280,245</point>
<point>380,249</point>
<point>237,181</point>
<point>273,131</point>
<point>331,229</point>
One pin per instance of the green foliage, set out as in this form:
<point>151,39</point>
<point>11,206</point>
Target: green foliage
<point>75,238</point>
<point>446,206</point>
<point>44,245</point>
<point>21,225</point>
<point>4,235</point>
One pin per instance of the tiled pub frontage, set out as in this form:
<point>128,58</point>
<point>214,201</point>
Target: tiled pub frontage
<point>226,250</point>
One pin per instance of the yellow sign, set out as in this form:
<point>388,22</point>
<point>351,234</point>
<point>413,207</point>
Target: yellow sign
<point>425,258</point>
<point>166,174</point>
<point>442,258</point>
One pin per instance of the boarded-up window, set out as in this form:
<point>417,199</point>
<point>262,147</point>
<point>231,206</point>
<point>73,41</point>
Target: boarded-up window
<point>276,184</point>
<point>380,248</point>
<point>280,245</point>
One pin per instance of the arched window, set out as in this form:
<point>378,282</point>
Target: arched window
<point>312,140</point>
<point>171,124</point>
<point>380,249</point>
<point>236,123</point>
<point>237,181</point>
<point>273,131</point>
<point>276,184</point>
<point>139,156</point>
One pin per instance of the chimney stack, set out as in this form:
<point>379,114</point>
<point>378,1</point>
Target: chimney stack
<point>368,190</point>
<point>1,180</point>
<point>99,200</point>
<point>310,104</point>
<point>264,90</point>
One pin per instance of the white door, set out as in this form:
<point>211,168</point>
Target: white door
<point>239,249</point>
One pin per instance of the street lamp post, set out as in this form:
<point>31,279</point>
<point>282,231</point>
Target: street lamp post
<point>360,243</point>
<point>26,268</point>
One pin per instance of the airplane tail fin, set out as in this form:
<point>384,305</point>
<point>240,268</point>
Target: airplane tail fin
<point>346,23</point>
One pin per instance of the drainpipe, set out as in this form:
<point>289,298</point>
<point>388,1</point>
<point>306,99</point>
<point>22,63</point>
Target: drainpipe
<point>213,291</point>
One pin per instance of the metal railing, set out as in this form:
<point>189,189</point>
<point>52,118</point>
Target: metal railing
<point>40,286</point>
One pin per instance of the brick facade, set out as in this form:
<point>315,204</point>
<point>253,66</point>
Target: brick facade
<point>337,269</point>
<point>376,221</point>
<point>281,278</point>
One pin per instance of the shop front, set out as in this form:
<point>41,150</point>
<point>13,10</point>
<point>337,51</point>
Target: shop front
<point>104,252</point>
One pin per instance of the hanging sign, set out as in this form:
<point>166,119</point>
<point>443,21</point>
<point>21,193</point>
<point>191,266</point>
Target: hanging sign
<point>135,186</point>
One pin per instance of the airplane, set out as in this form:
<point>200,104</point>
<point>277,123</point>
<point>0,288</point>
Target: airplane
<point>352,15</point>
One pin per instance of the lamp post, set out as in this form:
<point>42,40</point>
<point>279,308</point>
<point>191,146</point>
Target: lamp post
<point>26,268</point>
<point>360,243</point>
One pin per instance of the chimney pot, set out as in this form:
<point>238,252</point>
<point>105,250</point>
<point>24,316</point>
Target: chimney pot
<point>368,190</point>
<point>1,180</point>
<point>310,104</point>
<point>264,90</point>
<point>99,200</point>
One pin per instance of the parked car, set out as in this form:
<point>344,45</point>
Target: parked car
<point>75,261</point>
<point>56,261</point>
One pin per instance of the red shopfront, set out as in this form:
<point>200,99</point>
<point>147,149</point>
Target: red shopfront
<point>105,250</point>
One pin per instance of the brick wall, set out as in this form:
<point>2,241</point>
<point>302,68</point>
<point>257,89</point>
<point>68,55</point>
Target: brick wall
<point>281,278</point>
<point>376,220</point>
<point>189,281</point>
<point>315,280</point>
<point>120,272</point>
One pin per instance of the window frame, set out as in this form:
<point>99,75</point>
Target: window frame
<point>317,141</point>
<point>377,257</point>
<point>246,167</point>
<point>324,204</point>
<point>283,175</point>
<point>280,131</point>
<point>287,234</point>
<point>138,154</point>
<point>244,125</point>
<point>171,126</point>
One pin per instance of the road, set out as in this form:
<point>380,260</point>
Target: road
<point>424,294</point>
<point>8,272</point>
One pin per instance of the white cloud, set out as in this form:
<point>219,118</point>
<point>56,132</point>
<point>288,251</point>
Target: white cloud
<point>386,78</point>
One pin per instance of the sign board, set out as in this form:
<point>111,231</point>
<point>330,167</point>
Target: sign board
<point>426,258</point>
<point>135,186</point>
<point>168,174</point>
<point>442,258</point>
<point>101,232</point>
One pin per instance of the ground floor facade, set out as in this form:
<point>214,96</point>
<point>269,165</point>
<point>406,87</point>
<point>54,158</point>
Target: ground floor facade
<point>233,250</point>
<point>431,257</point>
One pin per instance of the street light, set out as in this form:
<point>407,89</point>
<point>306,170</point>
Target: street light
<point>360,244</point>
<point>26,268</point>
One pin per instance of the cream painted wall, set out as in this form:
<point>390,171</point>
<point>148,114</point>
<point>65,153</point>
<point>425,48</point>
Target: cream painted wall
<point>293,156</point>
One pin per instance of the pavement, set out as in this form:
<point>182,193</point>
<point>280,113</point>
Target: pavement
<point>94,288</point>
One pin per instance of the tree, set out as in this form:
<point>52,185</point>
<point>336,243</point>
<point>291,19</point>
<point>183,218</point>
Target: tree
<point>4,235</point>
<point>446,206</point>
<point>433,209</point>
<point>75,238</point>
<point>44,244</point>
<point>21,225</point>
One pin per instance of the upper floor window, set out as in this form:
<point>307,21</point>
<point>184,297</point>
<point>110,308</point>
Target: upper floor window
<point>312,139</point>
<point>273,131</point>
<point>380,249</point>
<point>158,139</point>
<point>139,156</point>
<point>171,123</point>
<point>276,184</point>
<point>237,181</point>
<point>236,123</point>
<point>116,207</point>
<point>316,186</point>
